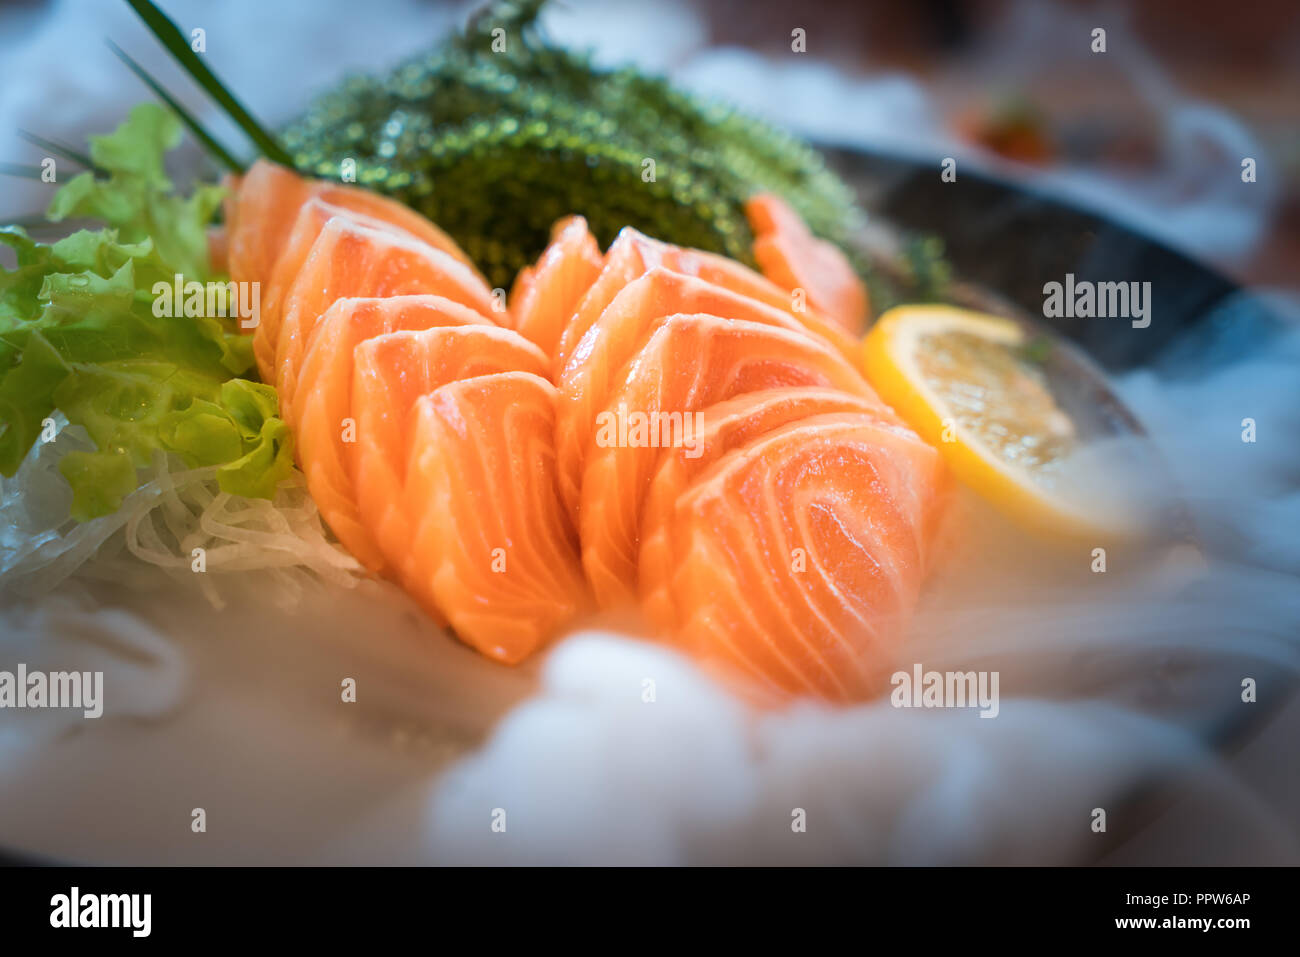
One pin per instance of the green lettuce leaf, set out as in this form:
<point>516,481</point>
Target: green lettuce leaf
<point>91,326</point>
<point>137,198</point>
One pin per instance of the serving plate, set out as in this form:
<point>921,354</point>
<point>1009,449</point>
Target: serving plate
<point>1009,238</point>
<point>1005,241</point>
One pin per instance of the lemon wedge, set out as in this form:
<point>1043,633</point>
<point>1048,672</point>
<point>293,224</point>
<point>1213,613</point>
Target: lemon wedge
<point>966,383</point>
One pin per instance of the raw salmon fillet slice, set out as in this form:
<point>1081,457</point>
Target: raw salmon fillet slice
<point>633,254</point>
<point>263,205</point>
<point>792,257</point>
<point>545,295</point>
<point>690,363</point>
<point>798,557</point>
<point>617,336</point>
<point>492,548</point>
<point>312,218</point>
<point>392,371</point>
<point>321,414</point>
<point>726,425</point>
<point>742,280</point>
<point>349,261</point>
<point>629,256</point>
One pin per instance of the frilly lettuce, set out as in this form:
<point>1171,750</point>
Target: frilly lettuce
<point>78,334</point>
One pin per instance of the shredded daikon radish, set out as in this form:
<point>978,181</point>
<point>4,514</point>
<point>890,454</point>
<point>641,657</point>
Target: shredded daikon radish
<point>178,521</point>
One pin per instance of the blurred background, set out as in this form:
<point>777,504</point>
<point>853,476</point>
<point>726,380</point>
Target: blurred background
<point>1151,132</point>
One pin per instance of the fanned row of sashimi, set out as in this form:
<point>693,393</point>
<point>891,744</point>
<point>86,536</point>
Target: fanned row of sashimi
<point>779,533</point>
<point>424,428</point>
<point>786,539</point>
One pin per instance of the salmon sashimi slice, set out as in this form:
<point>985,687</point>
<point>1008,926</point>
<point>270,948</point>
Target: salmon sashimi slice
<point>492,549</point>
<point>312,218</point>
<point>690,363</point>
<point>321,414</point>
<point>744,281</point>
<point>798,557</point>
<point>219,249</point>
<point>615,339</point>
<point>792,257</point>
<point>631,255</point>
<point>740,279</point>
<point>366,203</point>
<point>263,205</point>
<point>724,426</point>
<point>261,208</point>
<point>350,261</point>
<point>545,295</point>
<point>392,371</point>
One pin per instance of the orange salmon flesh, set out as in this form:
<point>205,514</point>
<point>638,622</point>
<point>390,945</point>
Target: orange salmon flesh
<point>650,429</point>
